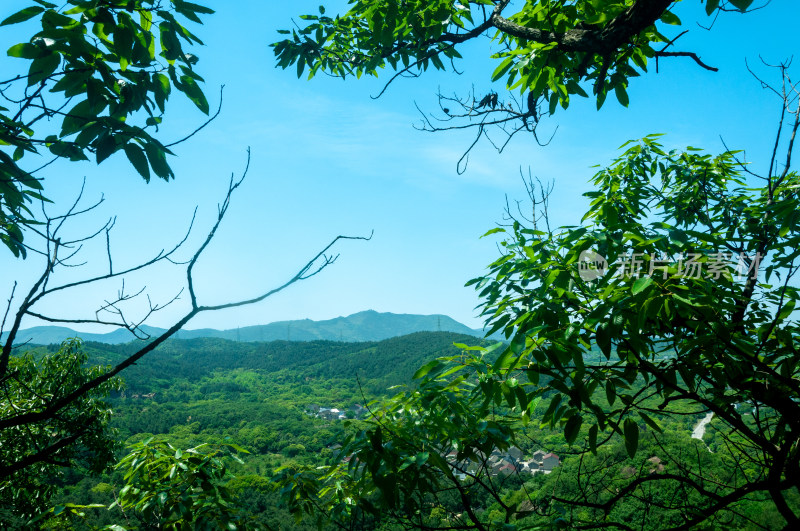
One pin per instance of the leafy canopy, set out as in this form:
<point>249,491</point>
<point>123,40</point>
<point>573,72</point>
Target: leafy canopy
<point>167,488</point>
<point>696,307</point>
<point>546,48</point>
<point>98,76</point>
<point>35,453</point>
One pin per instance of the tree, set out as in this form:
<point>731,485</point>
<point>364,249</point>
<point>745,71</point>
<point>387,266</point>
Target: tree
<point>167,488</point>
<point>99,78</point>
<point>170,488</point>
<point>34,454</point>
<point>423,461</point>
<point>699,311</point>
<point>549,51</point>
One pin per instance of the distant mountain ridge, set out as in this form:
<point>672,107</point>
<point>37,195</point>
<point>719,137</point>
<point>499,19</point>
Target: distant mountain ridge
<point>362,326</point>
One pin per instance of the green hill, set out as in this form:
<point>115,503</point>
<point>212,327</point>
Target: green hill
<point>380,363</point>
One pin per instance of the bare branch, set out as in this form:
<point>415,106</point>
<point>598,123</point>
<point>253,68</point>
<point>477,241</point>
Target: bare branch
<point>691,55</point>
<point>311,268</point>
<point>8,307</point>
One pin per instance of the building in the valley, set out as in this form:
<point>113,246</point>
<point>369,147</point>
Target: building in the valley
<point>332,413</point>
<point>503,462</point>
<point>549,462</point>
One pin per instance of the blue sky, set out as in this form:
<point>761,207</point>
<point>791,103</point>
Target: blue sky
<point>327,159</point>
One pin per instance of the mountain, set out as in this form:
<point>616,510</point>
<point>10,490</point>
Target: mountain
<point>363,326</point>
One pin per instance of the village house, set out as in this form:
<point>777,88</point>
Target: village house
<point>332,413</point>
<point>504,463</point>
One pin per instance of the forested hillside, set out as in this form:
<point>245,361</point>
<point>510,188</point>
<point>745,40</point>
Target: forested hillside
<point>269,399</point>
<point>381,364</point>
<point>256,395</point>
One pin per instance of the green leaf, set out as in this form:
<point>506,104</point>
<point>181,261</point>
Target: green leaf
<point>711,6</point>
<point>611,392</point>
<point>105,146</point>
<point>22,15</point>
<point>601,98</point>
<point>650,422</point>
<point>197,8</point>
<point>504,360</point>
<point>494,231</point>
<point>641,284</point>
<point>670,18</point>
<point>25,50</point>
<point>146,20</point>
<point>425,369</point>
<point>504,67</point>
<point>787,309</point>
<point>138,159</point>
<point>622,95</point>
<point>572,428</point>
<point>158,160</point>
<point>631,434</point>
<point>741,5</point>
<point>603,337</point>
<point>43,67</point>
<point>77,118</point>
<point>574,88</point>
<point>190,87</point>
<point>593,439</point>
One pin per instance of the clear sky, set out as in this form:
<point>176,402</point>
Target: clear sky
<point>327,159</point>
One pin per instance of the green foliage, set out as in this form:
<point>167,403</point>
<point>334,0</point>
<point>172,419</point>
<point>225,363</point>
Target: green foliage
<point>34,451</point>
<point>102,71</point>
<point>697,307</point>
<point>548,48</point>
<point>422,443</point>
<point>381,363</point>
<point>372,34</point>
<point>257,394</point>
<point>678,330</point>
<point>172,489</point>
<point>163,487</point>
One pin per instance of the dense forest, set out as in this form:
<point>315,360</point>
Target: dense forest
<point>257,395</point>
<point>266,399</point>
